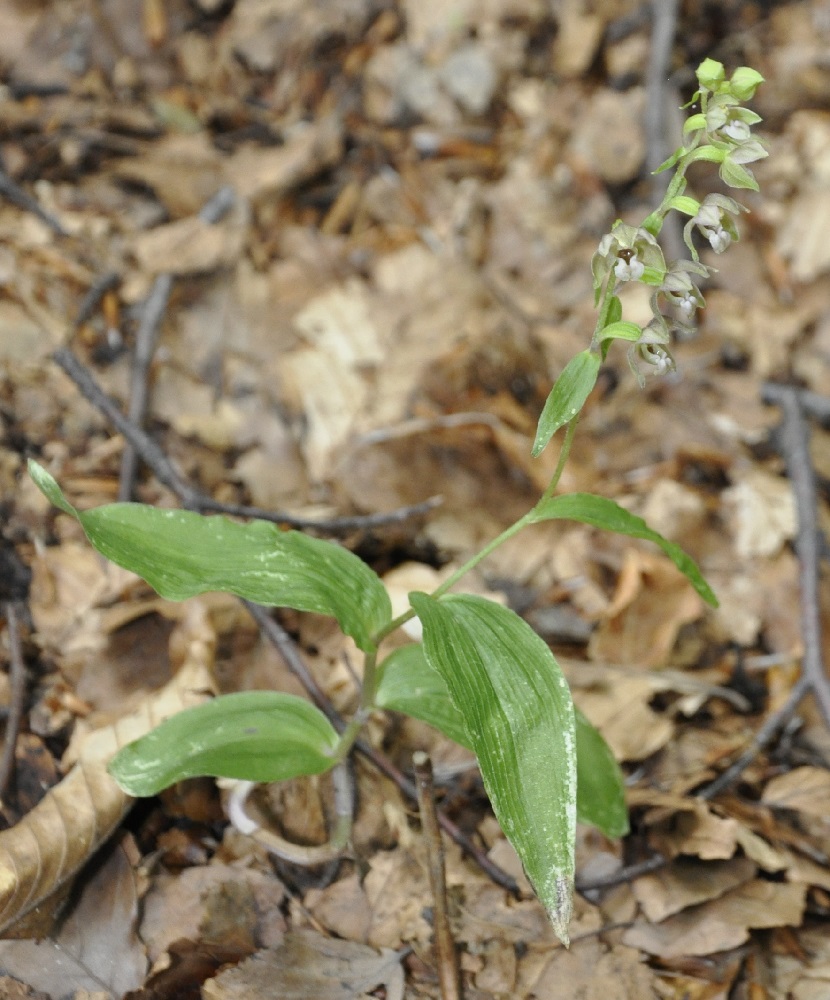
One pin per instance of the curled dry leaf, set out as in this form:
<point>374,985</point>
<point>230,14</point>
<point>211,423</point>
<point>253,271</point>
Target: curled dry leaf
<point>53,841</point>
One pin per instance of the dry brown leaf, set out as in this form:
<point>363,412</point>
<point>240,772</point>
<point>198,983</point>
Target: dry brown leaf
<point>51,843</point>
<point>191,245</point>
<point>806,789</point>
<point>652,603</point>
<point>722,923</point>
<point>307,964</point>
<point>686,882</point>
<point>96,947</point>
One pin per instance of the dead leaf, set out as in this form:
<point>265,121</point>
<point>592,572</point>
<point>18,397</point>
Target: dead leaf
<point>96,947</point>
<point>308,964</point>
<point>53,841</point>
<point>723,923</point>
<point>805,789</point>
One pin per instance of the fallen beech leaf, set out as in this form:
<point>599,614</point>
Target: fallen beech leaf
<point>97,947</point>
<point>52,842</point>
<point>806,789</point>
<point>308,964</point>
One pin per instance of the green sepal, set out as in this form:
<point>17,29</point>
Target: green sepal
<point>587,508</point>
<point>181,554</point>
<point>260,736</point>
<point>683,203</point>
<point>737,176</point>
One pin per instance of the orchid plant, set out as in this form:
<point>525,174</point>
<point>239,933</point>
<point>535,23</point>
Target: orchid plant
<point>480,675</point>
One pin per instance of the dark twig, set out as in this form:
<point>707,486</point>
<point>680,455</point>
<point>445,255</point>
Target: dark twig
<point>794,445</point>
<point>445,953</point>
<point>20,197</point>
<point>193,499</point>
<point>773,725</point>
<point>17,678</point>
<point>795,448</point>
<point>90,302</point>
<point>145,346</point>
<point>626,874</point>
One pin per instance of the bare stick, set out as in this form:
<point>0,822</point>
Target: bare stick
<point>795,448</point>
<point>20,197</point>
<point>193,499</point>
<point>145,346</point>
<point>765,735</point>
<point>626,874</point>
<point>92,299</point>
<point>445,953</point>
<point>17,677</point>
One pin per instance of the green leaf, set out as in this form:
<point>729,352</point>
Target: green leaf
<point>258,736</point>
<point>567,397</point>
<point>600,788</point>
<point>604,513</point>
<point>621,330</point>
<point>181,554</point>
<point>409,684</point>
<point>519,717</point>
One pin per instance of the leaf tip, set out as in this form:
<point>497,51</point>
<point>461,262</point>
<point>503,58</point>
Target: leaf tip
<point>558,901</point>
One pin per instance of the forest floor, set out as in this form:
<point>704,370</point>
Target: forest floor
<point>344,246</point>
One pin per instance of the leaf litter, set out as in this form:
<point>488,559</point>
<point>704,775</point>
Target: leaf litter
<point>418,192</point>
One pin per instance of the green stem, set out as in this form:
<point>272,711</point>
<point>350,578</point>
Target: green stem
<point>368,690</point>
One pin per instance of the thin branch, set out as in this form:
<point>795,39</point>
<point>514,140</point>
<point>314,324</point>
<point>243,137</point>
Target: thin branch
<point>795,448</point>
<point>621,875</point>
<point>20,197</point>
<point>163,469</point>
<point>90,302</point>
<point>17,678</point>
<point>765,735</point>
<point>145,345</point>
<point>445,953</point>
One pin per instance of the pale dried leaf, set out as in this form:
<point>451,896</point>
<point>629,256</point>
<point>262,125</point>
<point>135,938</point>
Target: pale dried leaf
<point>308,964</point>
<point>52,842</point>
<point>686,883</point>
<point>96,948</point>
<point>806,789</point>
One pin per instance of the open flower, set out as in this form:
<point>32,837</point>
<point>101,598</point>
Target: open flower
<point>632,253</point>
<point>715,221</point>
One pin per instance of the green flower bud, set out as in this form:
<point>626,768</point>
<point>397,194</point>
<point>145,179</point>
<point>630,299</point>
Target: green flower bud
<point>745,81</point>
<point>710,73</point>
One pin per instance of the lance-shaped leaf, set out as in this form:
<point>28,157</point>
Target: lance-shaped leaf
<point>260,736</point>
<point>600,788</point>
<point>518,714</point>
<point>409,684</point>
<point>566,398</point>
<point>604,513</point>
<point>181,554</point>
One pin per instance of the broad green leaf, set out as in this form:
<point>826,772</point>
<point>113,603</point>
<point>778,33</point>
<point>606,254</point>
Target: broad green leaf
<point>567,396</point>
<point>600,789</point>
<point>409,684</point>
<point>258,736</point>
<point>181,554</point>
<point>604,513</point>
<point>518,714</point>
